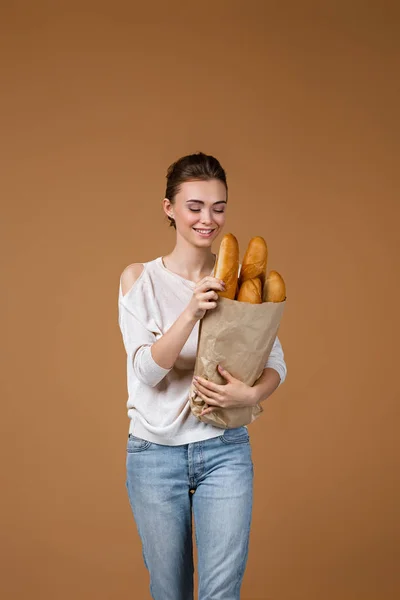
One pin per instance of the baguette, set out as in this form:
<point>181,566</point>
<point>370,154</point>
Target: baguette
<point>250,291</point>
<point>227,265</point>
<point>255,261</point>
<point>274,289</point>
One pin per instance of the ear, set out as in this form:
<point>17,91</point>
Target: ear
<point>168,208</point>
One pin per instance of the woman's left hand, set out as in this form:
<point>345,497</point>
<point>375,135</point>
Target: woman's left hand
<point>232,394</point>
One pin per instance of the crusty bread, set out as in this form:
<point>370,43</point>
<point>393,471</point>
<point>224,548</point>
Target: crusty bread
<point>274,288</point>
<point>250,291</point>
<point>227,265</point>
<point>254,263</point>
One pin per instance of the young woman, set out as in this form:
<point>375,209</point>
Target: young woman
<point>175,463</point>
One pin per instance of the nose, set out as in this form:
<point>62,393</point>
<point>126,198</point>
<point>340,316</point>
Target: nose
<point>206,217</point>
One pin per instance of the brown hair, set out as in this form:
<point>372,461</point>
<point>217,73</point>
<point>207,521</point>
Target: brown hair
<point>198,166</point>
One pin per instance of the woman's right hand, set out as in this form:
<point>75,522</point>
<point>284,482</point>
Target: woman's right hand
<point>204,297</point>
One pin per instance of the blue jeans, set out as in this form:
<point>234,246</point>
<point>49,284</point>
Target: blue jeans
<point>159,483</point>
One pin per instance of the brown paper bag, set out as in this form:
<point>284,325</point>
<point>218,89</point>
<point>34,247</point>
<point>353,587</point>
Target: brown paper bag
<point>240,336</point>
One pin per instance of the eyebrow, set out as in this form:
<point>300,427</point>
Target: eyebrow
<point>201,201</point>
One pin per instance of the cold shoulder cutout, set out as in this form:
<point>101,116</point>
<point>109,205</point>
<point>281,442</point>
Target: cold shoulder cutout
<point>129,277</point>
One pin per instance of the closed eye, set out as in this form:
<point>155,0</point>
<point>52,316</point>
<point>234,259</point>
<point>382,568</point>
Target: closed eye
<point>198,210</point>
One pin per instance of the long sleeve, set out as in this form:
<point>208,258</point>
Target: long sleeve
<point>276,360</point>
<point>138,341</point>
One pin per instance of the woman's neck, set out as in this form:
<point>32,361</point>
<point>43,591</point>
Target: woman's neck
<point>190,262</point>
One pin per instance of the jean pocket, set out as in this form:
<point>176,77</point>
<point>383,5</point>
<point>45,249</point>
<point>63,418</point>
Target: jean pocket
<point>236,435</point>
<point>136,444</point>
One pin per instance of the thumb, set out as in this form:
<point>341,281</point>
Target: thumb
<point>225,373</point>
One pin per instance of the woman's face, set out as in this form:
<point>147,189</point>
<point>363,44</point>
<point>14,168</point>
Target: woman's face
<point>199,211</point>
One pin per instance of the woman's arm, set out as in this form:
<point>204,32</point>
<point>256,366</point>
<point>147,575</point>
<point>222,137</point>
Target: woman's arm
<point>235,393</point>
<point>152,359</point>
<point>276,360</point>
<point>167,348</point>
<point>273,375</point>
<point>265,385</point>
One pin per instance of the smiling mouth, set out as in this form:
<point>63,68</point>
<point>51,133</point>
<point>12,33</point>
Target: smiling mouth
<point>205,231</point>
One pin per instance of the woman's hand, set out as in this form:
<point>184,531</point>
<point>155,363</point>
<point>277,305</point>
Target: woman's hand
<point>232,394</point>
<point>204,297</point>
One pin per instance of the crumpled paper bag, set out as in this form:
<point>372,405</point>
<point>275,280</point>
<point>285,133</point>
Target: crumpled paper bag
<point>240,336</point>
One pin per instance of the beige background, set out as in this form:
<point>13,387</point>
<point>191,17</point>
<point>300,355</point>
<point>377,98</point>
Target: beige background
<point>299,101</point>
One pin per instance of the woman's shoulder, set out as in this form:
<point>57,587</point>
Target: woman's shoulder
<point>130,275</point>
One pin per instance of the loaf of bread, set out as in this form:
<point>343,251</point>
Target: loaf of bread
<point>274,288</point>
<point>254,262</point>
<point>227,265</point>
<point>252,285</point>
<point>250,291</point>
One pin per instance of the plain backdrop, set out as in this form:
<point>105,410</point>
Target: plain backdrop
<point>299,101</point>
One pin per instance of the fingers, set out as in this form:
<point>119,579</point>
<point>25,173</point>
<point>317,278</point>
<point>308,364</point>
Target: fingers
<point>205,297</point>
<point>207,385</point>
<point>207,300</point>
<point>209,400</point>
<point>207,305</point>
<point>206,391</point>
<point>210,295</point>
<point>210,283</point>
